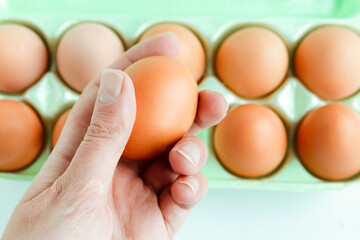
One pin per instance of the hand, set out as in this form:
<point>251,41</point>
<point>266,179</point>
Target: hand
<point>83,191</point>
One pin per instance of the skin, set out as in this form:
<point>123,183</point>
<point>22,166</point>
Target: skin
<point>84,191</point>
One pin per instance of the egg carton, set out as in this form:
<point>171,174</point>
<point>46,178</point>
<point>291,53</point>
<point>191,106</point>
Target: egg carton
<point>212,21</point>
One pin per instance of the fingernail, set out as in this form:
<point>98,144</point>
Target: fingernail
<point>191,152</point>
<point>191,182</point>
<point>110,85</point>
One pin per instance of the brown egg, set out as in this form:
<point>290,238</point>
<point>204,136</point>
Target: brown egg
<point>252,62</point>
<point>23,58</point>
<point>21,135</point>
<point>251,141</point>
<point>166,100</point>
<point>59,127</point>
<point>84,51</point>
<point>328,62</point>
<point>191,52</point>
<point>328,142</point>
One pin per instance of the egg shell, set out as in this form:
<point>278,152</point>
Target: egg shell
<point>21,135</point>
<point>327,62</point>
<point>84,51</point>
<point>191,52</point>
<point>251,141</point>
<point>23,58</point>
<point>252,62</point>
<point>166,100</point>
<point>59,125</point>
<point>328,142</point>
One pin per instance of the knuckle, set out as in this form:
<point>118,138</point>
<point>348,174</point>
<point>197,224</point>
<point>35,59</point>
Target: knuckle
<point>103,129</point>
<point>54,190</point>
<point>59,154</point>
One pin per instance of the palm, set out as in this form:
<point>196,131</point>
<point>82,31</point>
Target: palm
<point>137,207</point>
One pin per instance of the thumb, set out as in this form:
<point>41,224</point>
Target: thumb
<point>109,131</point>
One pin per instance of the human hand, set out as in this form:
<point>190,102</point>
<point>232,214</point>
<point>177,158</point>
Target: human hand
<point>83,191</point>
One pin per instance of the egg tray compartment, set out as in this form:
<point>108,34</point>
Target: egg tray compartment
<point>50,96</point>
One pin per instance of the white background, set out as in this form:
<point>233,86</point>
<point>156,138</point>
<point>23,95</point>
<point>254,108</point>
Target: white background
<point>251,215</point>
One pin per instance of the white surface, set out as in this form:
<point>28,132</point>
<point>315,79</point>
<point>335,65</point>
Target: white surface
<point>252,215</point>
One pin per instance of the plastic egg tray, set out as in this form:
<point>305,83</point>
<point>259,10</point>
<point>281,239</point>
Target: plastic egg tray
<point>212,21</point>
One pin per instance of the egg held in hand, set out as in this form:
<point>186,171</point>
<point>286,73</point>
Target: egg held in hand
<point>166,99</point>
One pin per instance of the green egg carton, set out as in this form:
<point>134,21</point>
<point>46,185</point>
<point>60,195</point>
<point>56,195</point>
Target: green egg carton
<point>212,21</point>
